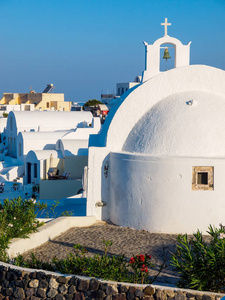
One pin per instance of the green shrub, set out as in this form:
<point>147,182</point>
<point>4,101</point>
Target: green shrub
<point>92,102</point>
<point>17,220</point>
<point>201,264</point>
<point>110,267</point>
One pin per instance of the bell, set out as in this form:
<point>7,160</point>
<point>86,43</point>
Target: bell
<point>166,54</point>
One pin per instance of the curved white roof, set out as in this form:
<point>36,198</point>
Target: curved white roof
<point>142,98</point>
<point>190,124</point>
<point>34,155</point>
<point>72,147</point>
<point>50,120</point>
<point>42,135</point>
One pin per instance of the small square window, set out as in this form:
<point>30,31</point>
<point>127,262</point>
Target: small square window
<point>202,178</point>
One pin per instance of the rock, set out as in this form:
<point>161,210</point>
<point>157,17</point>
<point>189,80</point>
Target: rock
<point>29,292</point>
<point>208,297</point>
<point>103,286</point>
<point>69,296</point>
<point>2,275</point>
<point>119,297</point>
<point>94,284</point>
<point>53,284</point>
<point>179,297</point>
<point>62,280</point>
<point>161,295</point>
<point>130,296</point>
<point>132,289</point>
<point>170,293</point>
<point>34,298</point>
<point>63,289</point>
<point>100,294</point>
<point>19,283</point>
<point>40,275</point>
<point>83,285</point>
<point>78,296</point>
<point>34,283</point>
<point>73,280</point>
<point>139,293</point>
<point>72,289</point>
<point>43,284</point>
<point>52,293</point>
<point>111,290</point>
<point>8,292</point>
<point>33,275</point>
<point>123,288</point>
<point>11,276</point>
<point>41,293</point>
<point>190,295</point>
<point>5,283</point>
<point>59,297</point>
<point>149,290</point>
<point>198,297</point>
<point>18,293</point>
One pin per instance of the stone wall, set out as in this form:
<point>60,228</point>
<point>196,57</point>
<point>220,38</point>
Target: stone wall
<point>19,283</point>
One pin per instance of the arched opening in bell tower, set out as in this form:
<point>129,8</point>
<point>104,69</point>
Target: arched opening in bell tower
<point>167,63</point>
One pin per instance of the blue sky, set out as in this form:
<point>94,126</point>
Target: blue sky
<point>85,47</point>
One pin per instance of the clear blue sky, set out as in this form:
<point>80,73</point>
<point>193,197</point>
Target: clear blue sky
<point>84,47</point>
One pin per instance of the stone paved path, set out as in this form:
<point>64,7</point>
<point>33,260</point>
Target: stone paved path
<point>125,240</point>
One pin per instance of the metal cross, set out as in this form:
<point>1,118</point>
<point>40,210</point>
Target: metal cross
<point>166,24</point>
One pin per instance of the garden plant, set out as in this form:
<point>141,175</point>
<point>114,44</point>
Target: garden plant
<point>201,264</point>
<point>17,220</point>
<point>110,267</point>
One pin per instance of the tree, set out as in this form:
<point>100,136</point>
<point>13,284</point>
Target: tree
<point>92,102</point>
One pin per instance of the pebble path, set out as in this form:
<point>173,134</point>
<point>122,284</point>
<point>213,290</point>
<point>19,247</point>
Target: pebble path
<point>125,241</point>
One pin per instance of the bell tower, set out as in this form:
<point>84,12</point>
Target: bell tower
<point>152,54</point>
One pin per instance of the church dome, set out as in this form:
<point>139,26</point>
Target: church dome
<point>188,124</point>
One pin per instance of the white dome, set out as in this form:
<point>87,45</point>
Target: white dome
<point>184,124</point>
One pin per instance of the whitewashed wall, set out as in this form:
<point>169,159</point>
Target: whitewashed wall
<point>156,194</point>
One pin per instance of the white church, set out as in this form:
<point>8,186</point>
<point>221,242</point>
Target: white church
<point>160,165</point>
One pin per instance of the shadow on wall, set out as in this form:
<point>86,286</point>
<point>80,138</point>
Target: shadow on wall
<point>49,147</point>
<point>82,151</point>
<point>68,153</point>
<point>105,189</point>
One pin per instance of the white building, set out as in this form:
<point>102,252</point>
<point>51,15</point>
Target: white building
<point>41,140</point>
<point>41,121</point>
<point>64,151</point>
<point>160,166</point>
<point>114,99</point>
<point>121,88</point>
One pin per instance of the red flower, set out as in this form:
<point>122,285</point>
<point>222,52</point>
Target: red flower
<point>144,269</point>
<point>142,257</point>
<point>132,260</point>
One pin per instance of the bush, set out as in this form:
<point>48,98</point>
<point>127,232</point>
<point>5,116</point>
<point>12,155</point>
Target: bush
<point>17,220</point>
<point>201,264</point>
<point>5,115</point>
<point>92,102</point>
<point>109,267</point>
